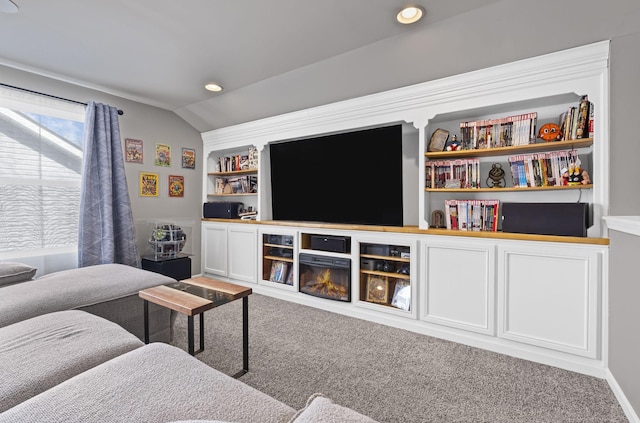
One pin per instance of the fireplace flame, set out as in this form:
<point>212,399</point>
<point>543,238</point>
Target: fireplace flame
<point>324,285</point>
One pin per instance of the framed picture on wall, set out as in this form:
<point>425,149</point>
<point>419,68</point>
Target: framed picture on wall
<point>188,158</point>
<point>176,186</point>
<point>148,184</point>
<point>163,155</point>
<point>133,150</point>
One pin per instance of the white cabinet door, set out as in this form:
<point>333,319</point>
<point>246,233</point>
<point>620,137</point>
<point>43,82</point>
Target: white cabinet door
<point>459,288</point>
<point>214,248</point>
<point>549,296</point>
<point>243,252</point>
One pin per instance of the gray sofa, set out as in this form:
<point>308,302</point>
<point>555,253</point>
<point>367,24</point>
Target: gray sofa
<point>106,290</point>
<point>72,366</point>
<point>61,365</point>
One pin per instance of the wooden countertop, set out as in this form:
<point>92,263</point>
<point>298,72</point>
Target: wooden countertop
<point>417,231</point>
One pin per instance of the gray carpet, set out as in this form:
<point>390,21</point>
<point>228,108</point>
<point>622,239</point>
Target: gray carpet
<point>390,374</point>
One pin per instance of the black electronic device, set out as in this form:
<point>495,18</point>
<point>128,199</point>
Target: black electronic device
<point>564,219</point>
<point>221,209</point>
<point>334,244</point>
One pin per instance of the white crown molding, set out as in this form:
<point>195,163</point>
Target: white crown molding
<point>413,103</point>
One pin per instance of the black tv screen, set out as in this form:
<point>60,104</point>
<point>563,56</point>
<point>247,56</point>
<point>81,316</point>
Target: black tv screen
<point>350,178</point>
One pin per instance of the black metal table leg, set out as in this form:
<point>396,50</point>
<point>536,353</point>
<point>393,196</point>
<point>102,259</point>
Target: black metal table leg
<point>201,332</point>
<point>245,338</point>
<point>245,334</point>
<point>146,321</point>
<point>190,334</point>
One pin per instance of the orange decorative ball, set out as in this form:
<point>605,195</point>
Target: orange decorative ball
<point>550,132</point>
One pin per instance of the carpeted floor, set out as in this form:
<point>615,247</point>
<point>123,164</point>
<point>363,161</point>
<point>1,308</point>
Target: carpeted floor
<point>390,374</point>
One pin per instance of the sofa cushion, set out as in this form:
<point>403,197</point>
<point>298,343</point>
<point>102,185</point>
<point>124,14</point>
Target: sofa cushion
<point>156,382</point>
<point>320,409</point>
<point>44,351</point>
<point>74,288</point>
<point>13,272</point>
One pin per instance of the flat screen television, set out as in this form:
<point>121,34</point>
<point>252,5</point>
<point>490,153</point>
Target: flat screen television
<point>349,178</point>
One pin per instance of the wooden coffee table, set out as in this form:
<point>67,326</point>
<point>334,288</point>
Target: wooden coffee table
<point>195,296</point>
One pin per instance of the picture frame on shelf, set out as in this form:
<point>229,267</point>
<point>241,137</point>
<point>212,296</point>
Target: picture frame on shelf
<point>377,289</point>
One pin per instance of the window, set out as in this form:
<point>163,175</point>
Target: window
<point>40,169</point>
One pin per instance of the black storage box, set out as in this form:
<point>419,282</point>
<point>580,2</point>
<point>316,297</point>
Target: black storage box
<point>565,219</point>
<point>220,209</point>
<point>334,244</point>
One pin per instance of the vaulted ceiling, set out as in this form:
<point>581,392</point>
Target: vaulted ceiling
<point>162,52</point>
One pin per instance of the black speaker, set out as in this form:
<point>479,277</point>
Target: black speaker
<point>220,209</point>
<point>334,244</point>
<point>565,219</point>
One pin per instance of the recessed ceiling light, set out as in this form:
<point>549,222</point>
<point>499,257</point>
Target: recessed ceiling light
<point>409,14</point>
<point>213,87</point>
<point>7,6</point>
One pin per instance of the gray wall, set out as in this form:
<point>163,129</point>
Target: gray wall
<point>151,125</point>
<point>624,292</point>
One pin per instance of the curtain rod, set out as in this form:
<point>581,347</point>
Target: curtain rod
<point>120,112</point>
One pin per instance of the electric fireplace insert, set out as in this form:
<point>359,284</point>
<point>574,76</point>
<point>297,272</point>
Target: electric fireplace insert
<point>325,277</point>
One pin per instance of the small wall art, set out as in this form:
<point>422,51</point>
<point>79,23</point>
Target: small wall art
<point>188,158</point>
<point>148,184</point>
<point>133,150</point>
<point>163,155</point>
<point>176,186</point>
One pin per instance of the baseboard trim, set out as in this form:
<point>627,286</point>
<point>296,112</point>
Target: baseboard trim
<point>622,398</point>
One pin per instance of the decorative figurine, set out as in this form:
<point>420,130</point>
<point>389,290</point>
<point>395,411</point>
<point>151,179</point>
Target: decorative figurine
<point>575,175</point>
<point>496,174</point>
<point>550,132</point>
<point>453,145</point>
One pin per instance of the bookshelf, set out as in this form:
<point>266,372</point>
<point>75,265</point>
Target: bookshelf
<point>533,169</point>
<point>233,174</point>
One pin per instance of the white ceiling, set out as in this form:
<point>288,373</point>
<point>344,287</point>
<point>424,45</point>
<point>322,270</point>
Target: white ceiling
<point>162,52</point>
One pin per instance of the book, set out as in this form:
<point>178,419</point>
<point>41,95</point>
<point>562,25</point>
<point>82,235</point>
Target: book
<point>582,125</point>
<point>278,271</point>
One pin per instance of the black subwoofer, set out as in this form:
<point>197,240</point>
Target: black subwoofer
<point>565,219</point>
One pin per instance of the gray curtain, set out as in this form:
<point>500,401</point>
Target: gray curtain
<point>106,230</point>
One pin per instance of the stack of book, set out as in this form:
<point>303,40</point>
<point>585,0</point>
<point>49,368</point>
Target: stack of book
<point>499,132</point>
<point>541,169</point>
<point>577,121</point>
<point>233,163</point>
<point>280,272</point>
<point>247,184</point>
<point>462,173</point>
<point>472,215</point>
